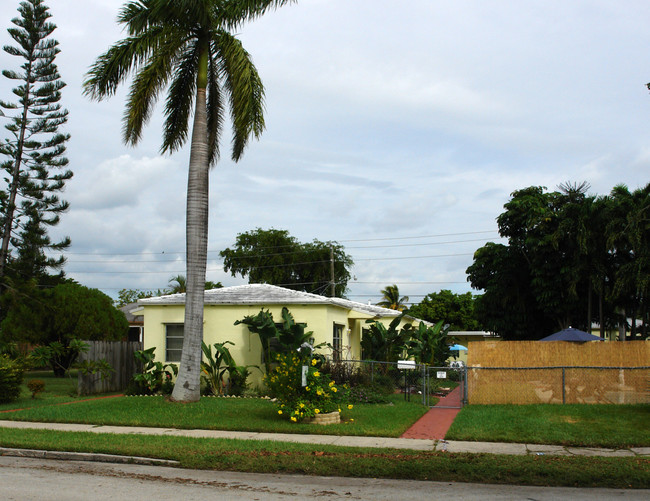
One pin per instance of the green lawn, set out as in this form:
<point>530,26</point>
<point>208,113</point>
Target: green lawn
<point>589,425</point>
<point>311,459</point>
<point>578,425</point>
<point>243,414</point>
<point>574,424</point>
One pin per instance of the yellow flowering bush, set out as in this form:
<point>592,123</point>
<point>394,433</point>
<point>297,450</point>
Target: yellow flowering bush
<point>296,402</point>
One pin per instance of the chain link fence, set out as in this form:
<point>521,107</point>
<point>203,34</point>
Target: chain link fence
<point>492,385</point>
<point>558,385</point>
<point>416,382</point>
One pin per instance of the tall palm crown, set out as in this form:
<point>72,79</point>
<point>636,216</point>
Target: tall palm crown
<point>392,300</point>
<point>185,47</point>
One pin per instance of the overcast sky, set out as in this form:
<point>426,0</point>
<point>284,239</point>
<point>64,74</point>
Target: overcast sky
<point>398,129</point>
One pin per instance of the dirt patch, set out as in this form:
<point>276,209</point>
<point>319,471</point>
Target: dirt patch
<point>568,419</point>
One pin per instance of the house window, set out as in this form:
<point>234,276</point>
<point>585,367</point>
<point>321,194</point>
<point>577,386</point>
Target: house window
<point>337,342</point>
<point>173,342</point>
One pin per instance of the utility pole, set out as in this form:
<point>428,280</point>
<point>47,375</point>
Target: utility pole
<point>332,281</point>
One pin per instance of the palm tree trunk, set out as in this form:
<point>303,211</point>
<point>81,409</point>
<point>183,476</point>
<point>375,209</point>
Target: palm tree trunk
<point>187,388</point>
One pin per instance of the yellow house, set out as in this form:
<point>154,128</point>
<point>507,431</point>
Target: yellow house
<point>337,321</point>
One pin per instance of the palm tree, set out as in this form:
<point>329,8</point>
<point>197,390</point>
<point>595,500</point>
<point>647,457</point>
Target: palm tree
<point>177,285</point>
<point>391,299</point>
<point>185,46</point>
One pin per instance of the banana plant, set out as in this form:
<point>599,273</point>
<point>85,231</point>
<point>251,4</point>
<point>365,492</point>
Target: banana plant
<point>154,374</point>
<point>385,344</point>
<point>215,367</point>
<point>430,344</point>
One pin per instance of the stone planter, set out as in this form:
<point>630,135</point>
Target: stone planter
<point>329,418</point>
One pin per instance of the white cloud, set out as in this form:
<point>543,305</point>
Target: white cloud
<point>382,122</point>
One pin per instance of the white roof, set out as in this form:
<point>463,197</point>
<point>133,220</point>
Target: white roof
<point>473,333</point>
<point>265,294</point>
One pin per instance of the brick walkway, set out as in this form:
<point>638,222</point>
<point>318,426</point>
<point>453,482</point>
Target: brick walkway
<point>435,423</point>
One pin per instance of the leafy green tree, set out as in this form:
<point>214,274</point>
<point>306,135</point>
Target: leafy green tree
<point>277,258</point>
<point>508,305</point>
<point>61,316</point>
<point>541,276</point>
<point>187,47</point>
<point>128,296</point>
<point>34,149</point>
<point>628,235</point>
<point>564,249</point>
<point>457,310</point>
<point>392,300</point>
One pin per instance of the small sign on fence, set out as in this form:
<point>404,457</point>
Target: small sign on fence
<point>441,375</point>
<point>406,364</point>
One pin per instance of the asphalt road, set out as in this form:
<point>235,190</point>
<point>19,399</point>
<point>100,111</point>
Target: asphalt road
<point>39,479</point>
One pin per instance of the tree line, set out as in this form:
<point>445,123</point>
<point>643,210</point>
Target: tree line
<point>572,259</point>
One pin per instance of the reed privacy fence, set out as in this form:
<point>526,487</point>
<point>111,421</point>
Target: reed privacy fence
<point>533,372</point>
<point>119,355</point>
<point>558,385</point>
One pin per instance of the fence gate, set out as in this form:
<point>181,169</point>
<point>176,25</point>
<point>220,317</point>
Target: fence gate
<point>446,384</point>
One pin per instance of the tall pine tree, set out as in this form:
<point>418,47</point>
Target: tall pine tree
<point>33,150</point>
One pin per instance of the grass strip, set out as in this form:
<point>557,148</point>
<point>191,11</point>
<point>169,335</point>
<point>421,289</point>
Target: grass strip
<point>582,425</point>
<point>275,457</point>
<point>243,414</point>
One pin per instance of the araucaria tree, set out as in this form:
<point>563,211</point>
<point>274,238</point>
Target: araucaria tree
<point>33,150</point>
<point>186,48</point>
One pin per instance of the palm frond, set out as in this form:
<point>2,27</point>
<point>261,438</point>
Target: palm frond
<point>114,65</point>
<point>244,87</point>
<point>215,111</point>
<point>146,86</point>
<point>180,99</point>
<point>136,15</point>
<point>184,14</point>
<point>232,13</point>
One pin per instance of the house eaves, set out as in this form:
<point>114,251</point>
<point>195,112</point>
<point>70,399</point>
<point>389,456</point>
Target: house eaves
<point>267,295</point>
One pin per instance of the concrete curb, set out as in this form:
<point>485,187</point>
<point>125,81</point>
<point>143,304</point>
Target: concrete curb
<point>85,456</point>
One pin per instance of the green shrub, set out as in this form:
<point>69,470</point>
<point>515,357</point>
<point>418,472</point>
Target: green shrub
<point>369,394</point>
<point>296,402</point>
<point>345,373</point>
<point>11,377</point>
<point>36,386</point>
<point>237,382</point>
<point>385,383</point>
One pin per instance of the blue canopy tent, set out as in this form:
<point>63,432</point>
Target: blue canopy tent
<point>573,335</point>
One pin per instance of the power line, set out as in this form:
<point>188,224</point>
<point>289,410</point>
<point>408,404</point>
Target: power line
<point>166,253</point>
<point>421,236</point>
<point>250,256</point>
<point>281,265</point>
